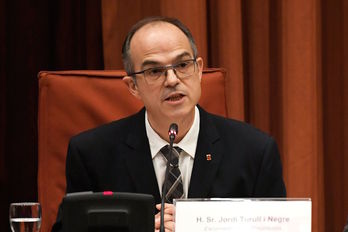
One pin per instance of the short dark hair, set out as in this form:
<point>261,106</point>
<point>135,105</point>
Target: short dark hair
<point>127,62</point>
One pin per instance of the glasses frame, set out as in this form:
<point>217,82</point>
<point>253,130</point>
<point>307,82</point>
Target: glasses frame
<point>166,68</point>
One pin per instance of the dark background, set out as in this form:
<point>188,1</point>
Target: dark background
<point>35,36</point>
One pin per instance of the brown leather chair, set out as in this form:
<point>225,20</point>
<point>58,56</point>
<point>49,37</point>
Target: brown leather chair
<point>73,101</point>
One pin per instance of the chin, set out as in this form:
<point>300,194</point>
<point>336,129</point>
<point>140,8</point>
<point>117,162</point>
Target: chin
<point>180,114</point>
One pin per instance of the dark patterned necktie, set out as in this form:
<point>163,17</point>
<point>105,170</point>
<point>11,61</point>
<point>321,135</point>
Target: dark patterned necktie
<point>173,187</point>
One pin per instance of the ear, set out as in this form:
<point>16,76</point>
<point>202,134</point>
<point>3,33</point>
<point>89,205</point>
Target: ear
<point>132,86</point>
<point>199,61</point>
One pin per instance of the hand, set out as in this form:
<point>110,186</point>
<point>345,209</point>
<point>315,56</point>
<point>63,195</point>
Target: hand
<point>168,218</point>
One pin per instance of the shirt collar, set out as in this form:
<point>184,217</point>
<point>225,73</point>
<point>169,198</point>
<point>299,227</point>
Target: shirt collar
<point>188,143</point>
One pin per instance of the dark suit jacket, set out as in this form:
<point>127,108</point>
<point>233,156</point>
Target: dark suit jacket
<point>244,161</point>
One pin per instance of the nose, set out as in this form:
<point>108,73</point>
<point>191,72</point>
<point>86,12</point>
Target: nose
<point>171,78</point>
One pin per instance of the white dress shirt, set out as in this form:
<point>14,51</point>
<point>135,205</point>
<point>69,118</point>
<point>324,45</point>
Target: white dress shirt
<point>186,159</point>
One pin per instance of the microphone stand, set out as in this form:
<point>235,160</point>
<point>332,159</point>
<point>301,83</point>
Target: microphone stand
<point>172,132</point>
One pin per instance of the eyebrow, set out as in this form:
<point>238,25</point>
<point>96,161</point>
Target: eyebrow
<point>178,57</point>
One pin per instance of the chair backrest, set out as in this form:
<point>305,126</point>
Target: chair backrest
<point>73,101</point>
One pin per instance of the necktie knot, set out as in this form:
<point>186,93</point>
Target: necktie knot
<point>172,158</point>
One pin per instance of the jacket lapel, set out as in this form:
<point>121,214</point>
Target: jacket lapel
<point>207,158</point>
<point>139,160</point>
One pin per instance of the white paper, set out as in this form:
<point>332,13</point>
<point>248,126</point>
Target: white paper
<point>243,215</point>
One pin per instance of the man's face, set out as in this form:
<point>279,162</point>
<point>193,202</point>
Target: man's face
<point>169,99</point>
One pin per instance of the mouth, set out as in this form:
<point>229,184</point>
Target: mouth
<point>175,97</point>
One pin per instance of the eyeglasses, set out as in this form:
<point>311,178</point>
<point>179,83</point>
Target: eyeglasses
<point>181,69</point>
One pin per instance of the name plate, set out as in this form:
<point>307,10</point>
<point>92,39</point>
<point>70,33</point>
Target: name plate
<point>243,215</point>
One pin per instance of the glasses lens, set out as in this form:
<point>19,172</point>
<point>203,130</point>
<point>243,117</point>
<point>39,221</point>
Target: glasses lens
<point>185,68</point>
<point>154,73</point>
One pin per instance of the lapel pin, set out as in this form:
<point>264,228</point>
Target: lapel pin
<point>208,156</point>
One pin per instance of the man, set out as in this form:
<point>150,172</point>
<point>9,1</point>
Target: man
<point>219,157</point>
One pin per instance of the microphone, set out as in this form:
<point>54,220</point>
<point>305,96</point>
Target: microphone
<point>172,132</point>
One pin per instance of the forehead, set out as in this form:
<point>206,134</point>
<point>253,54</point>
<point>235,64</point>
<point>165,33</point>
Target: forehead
<point>158,40</point>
